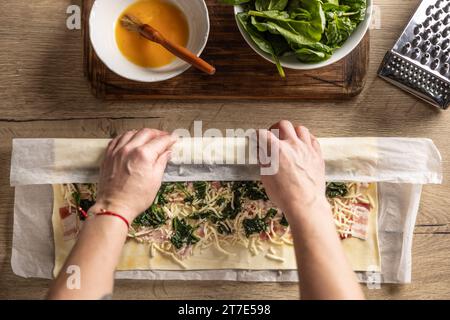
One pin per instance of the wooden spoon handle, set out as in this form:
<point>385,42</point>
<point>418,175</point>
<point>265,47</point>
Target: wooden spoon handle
<point>177,50</point>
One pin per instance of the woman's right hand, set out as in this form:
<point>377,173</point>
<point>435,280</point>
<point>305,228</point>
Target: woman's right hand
<point>299,183</point>
<point>298,188</point>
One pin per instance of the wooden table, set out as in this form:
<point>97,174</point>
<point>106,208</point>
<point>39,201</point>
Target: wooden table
<point>43,94</point>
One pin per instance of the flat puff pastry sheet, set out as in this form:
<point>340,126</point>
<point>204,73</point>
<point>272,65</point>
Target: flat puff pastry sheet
<point>363,255</point>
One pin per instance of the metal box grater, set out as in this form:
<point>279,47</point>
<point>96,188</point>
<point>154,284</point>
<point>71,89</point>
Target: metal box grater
<point>419,62</point>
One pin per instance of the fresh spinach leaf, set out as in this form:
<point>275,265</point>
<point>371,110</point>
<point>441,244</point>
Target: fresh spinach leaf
<point>308,55</point>
<point>300,14</point>
<point>307,20</point>
<point>279,44</point>
<point>287,31</point>
<point>357,6</point>
<point>315,52</point>
<point>259,39</point>
<point>235,2</point>
<point>338,30</point>
<point>334,2</point>
<point>309,29</point>
<point>263,5</point>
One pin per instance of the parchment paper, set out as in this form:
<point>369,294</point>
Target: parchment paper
<point>397,160</point>
<point>400,166</point>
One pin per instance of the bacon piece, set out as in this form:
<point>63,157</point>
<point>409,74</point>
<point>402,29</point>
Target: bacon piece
<point>69,220</point>
<point>361,222</point>
<point>216,185</point>
<point>263,236</point>
<point>64,212</point>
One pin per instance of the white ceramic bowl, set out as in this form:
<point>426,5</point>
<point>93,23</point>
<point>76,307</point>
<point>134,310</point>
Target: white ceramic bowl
<point>102,22</point>
<point>291,62</point>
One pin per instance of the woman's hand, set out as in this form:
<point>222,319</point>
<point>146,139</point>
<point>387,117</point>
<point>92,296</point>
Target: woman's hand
<point>300,180</point>
<point>130,177</point>
<point>132,170</point>
<point>298,188</point>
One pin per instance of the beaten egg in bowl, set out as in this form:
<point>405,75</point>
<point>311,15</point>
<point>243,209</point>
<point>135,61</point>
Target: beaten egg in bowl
<point>184,21</point>
<point>165,17</point>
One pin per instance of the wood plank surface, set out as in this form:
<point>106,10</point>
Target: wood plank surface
<point>241,73</point>
<point>43,94</point>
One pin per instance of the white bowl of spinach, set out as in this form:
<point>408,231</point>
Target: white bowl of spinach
<point>302,34</point>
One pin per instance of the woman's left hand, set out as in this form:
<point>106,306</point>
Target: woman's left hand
<point>131,173</point>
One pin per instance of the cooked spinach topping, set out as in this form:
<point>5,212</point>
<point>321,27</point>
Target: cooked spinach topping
<point>220,201</point>
<point>200,190</point>
<point>152,217</point>
<point>271,213</point>
<point>155,216</point>
<point>183,233</point>
<point>257,225</point>
<point>253,191</point>
<point>233,208</point>
<point>201,215</point>
<point>188,198</point>
<point>223,228</point>
<point>284,221</point>
<point>247,189</point>
<point>309,29</point>
<point>336,189</point>
<point>221,225</point>
<point>230,209</point>
<point>86,204</point>
<point>230,212</point>
<point>76,195</point>
<point>165,189</point>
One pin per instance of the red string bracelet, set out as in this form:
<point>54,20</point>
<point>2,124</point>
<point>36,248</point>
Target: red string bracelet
<point>83,213</point>
<point>109,213</point>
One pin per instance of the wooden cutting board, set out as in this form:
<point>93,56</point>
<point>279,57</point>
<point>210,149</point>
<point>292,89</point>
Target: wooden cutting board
<point>241,73</point>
